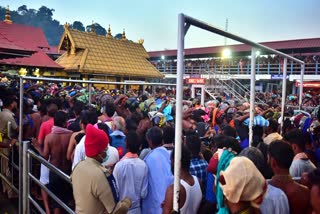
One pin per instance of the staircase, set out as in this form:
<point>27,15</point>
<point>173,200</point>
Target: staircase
<point>218,82</point>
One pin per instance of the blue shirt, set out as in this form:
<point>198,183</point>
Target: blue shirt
<point>257,121</point>
<point>275,201</point>
<point>210,195</point>
<point>198,167</point>
<point>159,178</point>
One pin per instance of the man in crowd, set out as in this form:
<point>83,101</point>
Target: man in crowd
<point>190,191</point>
<point>7,115</point>
<point>45,129</point>
<point>315,191</point>
<point>280,156</point>
<point>301,162</point>
<point>86,117</point>
<point>271,132</point>
<point>243,186</point>
<point>94,189</point>
<point>55,149</point>
<point>198,166</point>
<point>159,173</point>
<point>131,174</point>
<point>117,135</point>
<point>275,200</point>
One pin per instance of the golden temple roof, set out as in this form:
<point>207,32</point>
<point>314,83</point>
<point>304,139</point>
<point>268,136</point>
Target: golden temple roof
<point>96,54</point>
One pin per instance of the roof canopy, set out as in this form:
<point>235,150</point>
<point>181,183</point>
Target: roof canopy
<point>88,52</point>
<point>287,46</point>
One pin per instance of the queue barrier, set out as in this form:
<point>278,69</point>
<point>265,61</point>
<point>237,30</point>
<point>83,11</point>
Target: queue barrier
<point>14,166</point>
<point>28,155</point>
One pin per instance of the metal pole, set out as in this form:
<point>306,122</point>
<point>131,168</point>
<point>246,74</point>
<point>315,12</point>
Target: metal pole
<point>284,87</point>
<point>25,183</point>
<point>252,93</point>
<point>193,93</point>
<point>178,131</point>
<point>9,129</point>
<point>301,86</point>
<point>20,144</point>
<point>202,95</point>
<point>90,92</point>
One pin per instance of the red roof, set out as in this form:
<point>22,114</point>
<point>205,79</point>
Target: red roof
<point>22,38</point>
<point>279,45</point>
<point>38,59</point>
<point>26,37</point>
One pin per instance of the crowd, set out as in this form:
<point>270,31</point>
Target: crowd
<point>119,152</point>
<point>241,61</point>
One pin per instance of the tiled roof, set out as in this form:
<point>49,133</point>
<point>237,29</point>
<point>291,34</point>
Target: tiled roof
<point>38,59</point>
<point>278,45</point>
<point>23,37</point>
<point>91,53</point>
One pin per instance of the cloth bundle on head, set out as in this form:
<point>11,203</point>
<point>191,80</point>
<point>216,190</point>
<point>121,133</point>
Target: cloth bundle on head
<point>96,141</point>
<point>224,162</point>
<point>243,182</point>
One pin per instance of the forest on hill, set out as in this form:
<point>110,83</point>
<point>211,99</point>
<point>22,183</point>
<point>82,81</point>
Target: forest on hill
<point>43,19</point>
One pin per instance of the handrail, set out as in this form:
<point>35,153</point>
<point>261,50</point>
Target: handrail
<point>269,68</point>
<point>53,196</point>
<point>31,154</point>
<point>57,171</point>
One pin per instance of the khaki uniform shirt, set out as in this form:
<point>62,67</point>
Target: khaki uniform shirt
<point>7,116</point>
<point>91,190</point>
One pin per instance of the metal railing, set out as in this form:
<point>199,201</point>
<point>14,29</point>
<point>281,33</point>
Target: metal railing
<point>293,68</point>
<point>11,164</point>
<point>28,155</point>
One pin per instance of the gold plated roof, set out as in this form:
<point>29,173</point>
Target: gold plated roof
<point>92,53</point>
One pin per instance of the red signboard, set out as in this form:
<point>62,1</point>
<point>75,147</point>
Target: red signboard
<point>309,84</point>
<point>199,81</point>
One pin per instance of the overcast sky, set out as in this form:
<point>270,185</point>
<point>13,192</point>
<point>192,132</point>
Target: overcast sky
<point>156,21</point>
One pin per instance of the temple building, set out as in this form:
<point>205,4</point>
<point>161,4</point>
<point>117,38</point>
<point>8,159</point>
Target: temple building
<point>91,56</point>
<point>25,50</point>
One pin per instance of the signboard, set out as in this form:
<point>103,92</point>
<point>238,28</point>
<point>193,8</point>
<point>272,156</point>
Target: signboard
<point>199,81</point>
<point>309,84</point>
<point>278,76</point>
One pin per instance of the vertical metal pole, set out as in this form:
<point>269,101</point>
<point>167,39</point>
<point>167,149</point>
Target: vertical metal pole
<point>252,93</point>
<point>9,129</point>
<point>20,143</point>
<point>301,86</point>
<point>90,92</point>
<point>28,179</point>
<point>284,87</point>
<point>193,93</point>
<point>202,95</point>
<point>178,131</point>
<point>25,176</point>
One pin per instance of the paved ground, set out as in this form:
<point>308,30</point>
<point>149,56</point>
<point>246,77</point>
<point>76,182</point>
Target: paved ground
<point>8,206</point>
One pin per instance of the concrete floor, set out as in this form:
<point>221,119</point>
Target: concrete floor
<point>8,206</point>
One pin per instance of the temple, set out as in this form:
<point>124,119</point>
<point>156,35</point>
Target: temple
<point>91,56</point>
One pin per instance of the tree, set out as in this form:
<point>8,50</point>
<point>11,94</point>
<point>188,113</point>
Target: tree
<point>97,28</point>
<point>23,10</point>
<point>78,26</point>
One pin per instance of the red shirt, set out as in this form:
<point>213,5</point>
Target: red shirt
<point>45,129</point>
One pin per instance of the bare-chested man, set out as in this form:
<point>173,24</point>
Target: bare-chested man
<point>55,147</point>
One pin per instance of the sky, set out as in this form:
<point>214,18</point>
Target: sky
<point>157,21</point>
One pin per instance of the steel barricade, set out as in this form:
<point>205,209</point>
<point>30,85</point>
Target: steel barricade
<point>28,155</point>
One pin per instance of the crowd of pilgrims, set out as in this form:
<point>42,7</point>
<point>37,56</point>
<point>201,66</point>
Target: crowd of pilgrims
<point>119,152</point>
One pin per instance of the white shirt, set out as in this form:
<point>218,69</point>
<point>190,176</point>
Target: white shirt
<point>275,201</point>
<point>79,152</point>
<point>112,156</point>
<point>131,175</point>
<point>193,197</point>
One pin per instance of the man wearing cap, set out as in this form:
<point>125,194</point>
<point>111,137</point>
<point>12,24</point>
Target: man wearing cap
<point>94,188</point>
